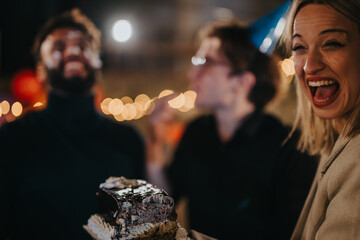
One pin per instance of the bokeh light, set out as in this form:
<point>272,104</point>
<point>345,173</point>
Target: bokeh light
<point>122,30</point>
<point>125,113</point>
<point>190,94</point>
<point>142,99</point>
<point>119,117</point>
<point>126,100</point>
<point>38,104</point>
<point>131,110</point>
<point>288,67</point>
<point>139,110</point>
<point>149,107</point>
<point>5,106</point>
<point>105,106</point>
<point>16,109</point>
<point>116,106</point>
<point>165,93</point>
<point>177,102</point>
<point>126,109</point>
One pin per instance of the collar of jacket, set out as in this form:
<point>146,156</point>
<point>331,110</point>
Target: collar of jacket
<point>339,146</point>
<point>71,107</point>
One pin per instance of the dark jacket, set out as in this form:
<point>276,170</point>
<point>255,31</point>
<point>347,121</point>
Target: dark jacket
<point>241,189</point>
<point>52,163</point>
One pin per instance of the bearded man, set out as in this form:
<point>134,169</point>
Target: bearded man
<point>53,160</point>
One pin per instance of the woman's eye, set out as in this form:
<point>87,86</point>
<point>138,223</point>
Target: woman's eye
<point>296,48</point>
<point>334,44</point>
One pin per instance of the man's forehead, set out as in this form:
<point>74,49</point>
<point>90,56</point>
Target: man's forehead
<point>209,45</point>
<point>67,33</point>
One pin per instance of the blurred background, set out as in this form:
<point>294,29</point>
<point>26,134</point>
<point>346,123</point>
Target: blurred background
<point>147,53</point>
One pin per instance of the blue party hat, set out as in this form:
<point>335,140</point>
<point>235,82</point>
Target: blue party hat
<point>265,32</point>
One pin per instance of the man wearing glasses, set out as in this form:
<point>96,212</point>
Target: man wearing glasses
<point>231,164</point>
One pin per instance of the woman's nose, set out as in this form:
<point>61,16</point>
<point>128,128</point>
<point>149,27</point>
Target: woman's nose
<point>314,62</point>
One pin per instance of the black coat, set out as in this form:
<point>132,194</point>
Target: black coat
<point>52,163</point>
<point>244,188</point>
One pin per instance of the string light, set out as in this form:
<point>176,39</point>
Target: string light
<point>142,99</point>
<point>16,109</point>
<point>122,109</point>
<point>38,104</point>
<point>131,109</point>
<point>149,106</point>
<point>165,93</point>
<point>288,67</point>
<point>177,102</point>
<point>139,110</point>
<point>126,100</point>
<point>105,106</point>
<point>116,106</point>
<point>128,109</point>
<point>5,105</point>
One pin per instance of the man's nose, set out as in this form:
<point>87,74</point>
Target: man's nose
<point>194,73</point>
<point>73,50</point>
<point>314,62</point>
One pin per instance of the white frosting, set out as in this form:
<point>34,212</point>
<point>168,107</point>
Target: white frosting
<point>99,228</point>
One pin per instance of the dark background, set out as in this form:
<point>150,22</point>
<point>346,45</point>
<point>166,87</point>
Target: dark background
<point>157,57</point>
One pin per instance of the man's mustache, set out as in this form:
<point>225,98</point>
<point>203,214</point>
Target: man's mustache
<point>75,58</point>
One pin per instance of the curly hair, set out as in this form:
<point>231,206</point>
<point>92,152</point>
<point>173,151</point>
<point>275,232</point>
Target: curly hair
<point>73,19</point>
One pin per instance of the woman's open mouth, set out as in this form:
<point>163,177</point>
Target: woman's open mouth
<point>324,91</point>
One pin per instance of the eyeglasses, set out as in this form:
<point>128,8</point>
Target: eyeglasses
<point>205,62</point>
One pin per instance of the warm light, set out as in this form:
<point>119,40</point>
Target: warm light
<point>38,104</point>
<point>0,110</point>
<point>105,105</point>
<point>119,117</point>
<point>142,99</point>
<point>177,102</point>
<point>288,67</point>
<point>189,102</point>
<point>5,106</point>
<point>128,109</point>
<point>165,93</point>
<point>125,113</point>
<point>139,110</point>
<point>184,109</point>
<point>149,107</point>
<point>131,109</point>
<point>190,94</point>
<point>116,106</point>
<point>122,30</point>
<point>16,109</point>
<point>126,100</point>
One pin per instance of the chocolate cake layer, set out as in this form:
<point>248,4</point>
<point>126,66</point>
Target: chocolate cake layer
<point>134,207</point>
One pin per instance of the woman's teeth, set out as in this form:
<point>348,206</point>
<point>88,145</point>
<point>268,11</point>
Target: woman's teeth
<point>320,83</point>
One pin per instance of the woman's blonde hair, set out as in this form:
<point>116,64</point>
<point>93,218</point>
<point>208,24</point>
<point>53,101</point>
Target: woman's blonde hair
<point>318,135</point>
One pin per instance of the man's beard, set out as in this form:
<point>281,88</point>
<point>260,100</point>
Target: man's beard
<point>71,86</point>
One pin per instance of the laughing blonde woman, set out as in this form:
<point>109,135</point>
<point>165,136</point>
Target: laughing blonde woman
<point>325,40</point>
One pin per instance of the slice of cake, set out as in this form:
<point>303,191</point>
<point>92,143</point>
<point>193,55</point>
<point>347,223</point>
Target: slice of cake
<point>134,209</point>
